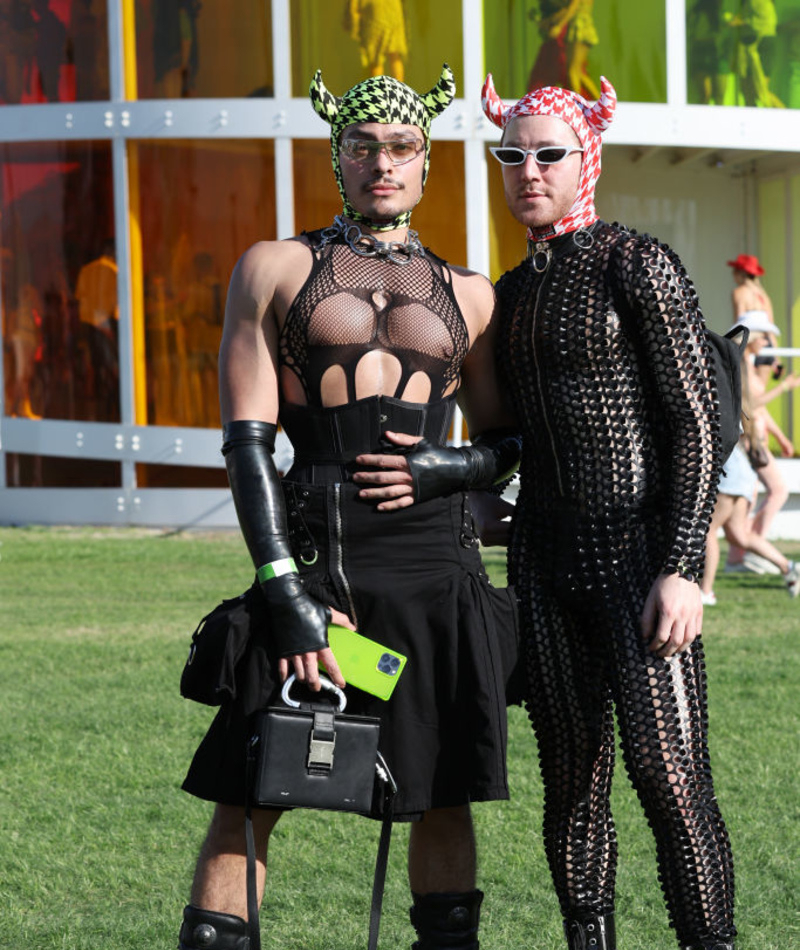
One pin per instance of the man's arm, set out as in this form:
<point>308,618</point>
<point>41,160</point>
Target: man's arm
<point>249,400</point>
<point>671,331</point>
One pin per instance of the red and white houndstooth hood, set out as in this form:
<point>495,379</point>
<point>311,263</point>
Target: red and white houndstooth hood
<point>587,120</point>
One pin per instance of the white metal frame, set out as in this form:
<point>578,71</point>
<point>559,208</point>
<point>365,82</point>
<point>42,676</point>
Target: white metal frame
<point>283,118</point>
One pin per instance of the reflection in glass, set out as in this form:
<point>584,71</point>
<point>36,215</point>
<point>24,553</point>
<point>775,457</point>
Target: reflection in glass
<point>379,28</point>
<point>743,52</point>
<point>213,48</point>
<point>46,471</point>
<point>53,51</point>
<point>439,218</point>
<point>568,33</point>
<point>354,39</point>
<point>571,43</point>
<point>58,281</point>
<point>198,207</point>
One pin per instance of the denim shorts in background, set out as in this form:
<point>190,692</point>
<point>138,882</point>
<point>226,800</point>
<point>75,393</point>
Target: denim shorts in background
<point>738,475</point>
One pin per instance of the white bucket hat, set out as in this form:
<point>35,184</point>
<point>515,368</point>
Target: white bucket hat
<point>757,321</point>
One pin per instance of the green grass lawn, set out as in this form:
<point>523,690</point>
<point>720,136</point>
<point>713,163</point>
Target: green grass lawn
<point>97,842</point>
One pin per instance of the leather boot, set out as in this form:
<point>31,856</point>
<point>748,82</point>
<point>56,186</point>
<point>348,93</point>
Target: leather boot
<point>208,930</point>
<point>714,945</point>
<point>591,933</point>
<point>445,921</point>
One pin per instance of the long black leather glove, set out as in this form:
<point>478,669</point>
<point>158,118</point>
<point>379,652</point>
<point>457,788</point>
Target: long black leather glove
<point>299,623</point>
<point>437,470</point>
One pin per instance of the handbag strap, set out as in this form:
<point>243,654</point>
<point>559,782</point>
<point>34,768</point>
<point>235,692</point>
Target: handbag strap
<point>253,925</point>
<point>381,863</point>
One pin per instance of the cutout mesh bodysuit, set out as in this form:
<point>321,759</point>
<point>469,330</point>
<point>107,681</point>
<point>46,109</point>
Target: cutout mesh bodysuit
<point>605,360</point>
<point>408,310</point>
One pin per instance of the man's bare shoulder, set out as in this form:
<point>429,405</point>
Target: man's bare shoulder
<point>462,273</point>
<point>475,295</point>
<point>273,268</point>
<point>274,255</point>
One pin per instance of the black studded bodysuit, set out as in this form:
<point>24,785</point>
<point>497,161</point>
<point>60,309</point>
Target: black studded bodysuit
<point>604,356</point>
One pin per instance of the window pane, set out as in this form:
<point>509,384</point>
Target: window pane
<point>507,243</point>
<point>59,281</point>
<point>440,218</point>
<point>54,51</point>
<point>538,44</point>
<point>348,41</point>
<point>743,54</point>
<point>213,48</point>
<point>199,206</point>
<point>43,471</point>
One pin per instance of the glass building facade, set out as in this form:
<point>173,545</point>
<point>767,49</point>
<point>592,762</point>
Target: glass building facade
<point>144,144</point>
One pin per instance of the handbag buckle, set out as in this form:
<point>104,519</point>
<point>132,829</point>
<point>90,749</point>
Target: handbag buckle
<point>321,742</point>
<point>320,754</point>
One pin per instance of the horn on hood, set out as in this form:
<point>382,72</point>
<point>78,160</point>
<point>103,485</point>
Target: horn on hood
<point>326,105</point>
<point>442,94</point>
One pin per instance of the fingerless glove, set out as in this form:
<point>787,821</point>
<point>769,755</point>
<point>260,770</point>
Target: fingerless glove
<point>441,470</point>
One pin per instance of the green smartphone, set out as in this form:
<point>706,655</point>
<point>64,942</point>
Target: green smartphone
<point>364,663</point>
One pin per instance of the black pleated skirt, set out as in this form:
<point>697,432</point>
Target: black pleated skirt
<point>413,580</point>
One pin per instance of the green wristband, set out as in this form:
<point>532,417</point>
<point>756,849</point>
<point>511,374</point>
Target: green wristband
<point>285,565</point>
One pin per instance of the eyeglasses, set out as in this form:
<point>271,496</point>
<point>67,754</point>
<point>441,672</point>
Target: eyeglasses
<point>546,155</point>
<point>399,151</point>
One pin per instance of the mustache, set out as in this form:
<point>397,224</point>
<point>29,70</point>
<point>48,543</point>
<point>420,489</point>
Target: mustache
<point>383,181</point>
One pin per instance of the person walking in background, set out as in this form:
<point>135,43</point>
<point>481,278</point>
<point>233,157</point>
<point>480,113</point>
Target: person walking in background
<point>752,308</point>
<point>748,296</point>
<point>737,486</point>
<point>732,516</point>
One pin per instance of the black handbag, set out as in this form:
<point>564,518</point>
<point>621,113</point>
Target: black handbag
<point>309,755</point>
<point>215,667</point>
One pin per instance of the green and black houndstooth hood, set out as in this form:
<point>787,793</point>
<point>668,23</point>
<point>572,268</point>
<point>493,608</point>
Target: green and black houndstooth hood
<point>386,100</point>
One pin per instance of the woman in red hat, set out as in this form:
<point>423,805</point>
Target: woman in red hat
<point>749,295</point>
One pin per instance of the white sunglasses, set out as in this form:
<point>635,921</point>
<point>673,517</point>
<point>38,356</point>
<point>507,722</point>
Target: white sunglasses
<point>546,155</point>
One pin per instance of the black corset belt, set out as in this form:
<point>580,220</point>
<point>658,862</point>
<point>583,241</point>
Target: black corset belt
<point>339,433</point>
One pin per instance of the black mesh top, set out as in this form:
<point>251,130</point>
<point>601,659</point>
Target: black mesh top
<point>351,305</point>
<point>606,364</point>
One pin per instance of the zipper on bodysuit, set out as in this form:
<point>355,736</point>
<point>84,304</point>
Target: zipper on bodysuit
<point>545,274</point>
<point>338,552</point>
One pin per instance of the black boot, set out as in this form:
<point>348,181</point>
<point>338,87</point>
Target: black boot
<point>445,921</point>
<point>208,930</point>
<point>714,945</point>
<point>591,933</point>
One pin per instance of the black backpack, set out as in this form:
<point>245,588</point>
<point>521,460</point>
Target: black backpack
<point>727,352</point>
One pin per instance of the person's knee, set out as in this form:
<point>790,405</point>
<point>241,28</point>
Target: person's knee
<point>449,817</point>
<point>453,823</point>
